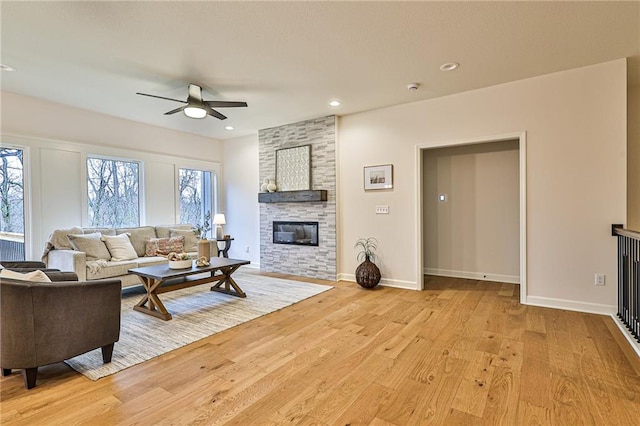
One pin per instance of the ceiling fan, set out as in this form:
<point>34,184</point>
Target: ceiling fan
<point>196,107</point>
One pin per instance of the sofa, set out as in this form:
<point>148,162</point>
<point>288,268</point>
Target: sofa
<point>48,322</point>
<point>89,252</point>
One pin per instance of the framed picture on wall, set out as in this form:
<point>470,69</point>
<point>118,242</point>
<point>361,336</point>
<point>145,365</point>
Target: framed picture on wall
<point>378,177</point>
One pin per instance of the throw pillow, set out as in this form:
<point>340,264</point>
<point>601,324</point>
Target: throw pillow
<point>139,237</point>
<point>190,239</point>
<point>120,247</point>
<point>36,276</point>
<point>59,238</point>
<point>164,246</point>
<point>91,244</point>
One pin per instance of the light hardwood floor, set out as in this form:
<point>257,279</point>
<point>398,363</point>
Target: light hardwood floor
<point>460,352</point>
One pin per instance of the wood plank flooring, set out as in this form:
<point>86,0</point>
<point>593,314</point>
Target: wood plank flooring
<point>460,352</point>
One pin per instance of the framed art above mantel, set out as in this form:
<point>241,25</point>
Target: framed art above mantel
<point>293,168</point>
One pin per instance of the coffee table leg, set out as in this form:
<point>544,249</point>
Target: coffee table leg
<point>228,283</point>
<point>156,308</point>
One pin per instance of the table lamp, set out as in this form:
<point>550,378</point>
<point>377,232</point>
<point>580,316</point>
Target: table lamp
<point>218,221</point>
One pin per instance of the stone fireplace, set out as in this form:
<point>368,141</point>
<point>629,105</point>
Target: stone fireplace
<point>316,260</point>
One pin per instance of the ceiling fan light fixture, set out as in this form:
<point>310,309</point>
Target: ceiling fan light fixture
<point>194,112</point>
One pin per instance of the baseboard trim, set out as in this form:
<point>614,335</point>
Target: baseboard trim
<point>635,345</point>
<point>512,279</point>
<point>385,282</point>
<point>570,305</point>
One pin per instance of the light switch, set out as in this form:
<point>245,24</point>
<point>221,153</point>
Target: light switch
<point>382,209</point>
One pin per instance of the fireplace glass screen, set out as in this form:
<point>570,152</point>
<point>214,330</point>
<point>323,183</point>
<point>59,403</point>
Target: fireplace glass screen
<point>296,233</point>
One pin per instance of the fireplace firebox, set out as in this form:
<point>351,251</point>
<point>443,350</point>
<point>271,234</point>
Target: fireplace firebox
<point>295,233</point>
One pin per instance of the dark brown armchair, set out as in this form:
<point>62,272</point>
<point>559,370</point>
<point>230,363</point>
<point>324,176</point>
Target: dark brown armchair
<point>45,323</point>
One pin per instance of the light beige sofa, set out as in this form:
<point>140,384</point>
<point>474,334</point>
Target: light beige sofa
<point>60,254</point>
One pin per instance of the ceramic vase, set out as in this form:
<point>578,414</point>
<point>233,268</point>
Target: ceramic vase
<point>272,186</point>
<point>204,249</point>
<point>264,186</point>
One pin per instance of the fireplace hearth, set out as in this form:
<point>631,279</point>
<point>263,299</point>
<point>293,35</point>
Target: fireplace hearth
<point>295,233</point>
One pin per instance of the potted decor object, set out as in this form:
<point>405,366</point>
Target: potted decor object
<point>367,273</point>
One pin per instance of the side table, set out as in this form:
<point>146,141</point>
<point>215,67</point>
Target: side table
<point>227,245</point>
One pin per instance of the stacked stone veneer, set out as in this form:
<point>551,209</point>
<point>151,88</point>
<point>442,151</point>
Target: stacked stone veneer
<point>314,262</point>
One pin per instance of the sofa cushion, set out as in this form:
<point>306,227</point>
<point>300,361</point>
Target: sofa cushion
<point>152,260</point>
<point>103,231</point>
<point>138,237</point>
<point>164,246</point>
<point>59,239</point>
<point>190,238</point>
<point>164,231</point>
<point>120,247</point>
<point>91,244</point>
<point>36,276</point>
<point>101,269</point>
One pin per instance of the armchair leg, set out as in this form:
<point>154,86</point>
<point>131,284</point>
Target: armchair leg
<point>6,372</point>
<point>107,352</point>
<point>29,375</point>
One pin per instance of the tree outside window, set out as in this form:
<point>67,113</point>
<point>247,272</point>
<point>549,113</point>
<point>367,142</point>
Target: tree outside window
<point>113,192</point>
<point>195,190</point>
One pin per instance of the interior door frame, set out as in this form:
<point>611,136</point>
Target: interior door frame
<point>522,155</point>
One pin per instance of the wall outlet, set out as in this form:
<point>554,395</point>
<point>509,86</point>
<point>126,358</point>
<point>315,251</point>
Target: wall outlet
<point>600,279</point>
<point>382,209</point>
<point>246,249</point>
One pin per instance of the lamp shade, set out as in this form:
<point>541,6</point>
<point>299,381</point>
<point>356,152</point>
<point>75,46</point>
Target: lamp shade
<point>219,219</point>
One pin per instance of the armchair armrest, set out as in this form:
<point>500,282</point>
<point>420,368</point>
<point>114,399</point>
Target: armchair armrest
<point>69,260</point>
<point>13,264</point>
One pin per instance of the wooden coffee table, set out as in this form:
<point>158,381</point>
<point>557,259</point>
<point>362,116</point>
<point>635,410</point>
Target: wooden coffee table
<point>158,279</point>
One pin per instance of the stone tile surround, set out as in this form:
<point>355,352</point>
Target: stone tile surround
<point>315,262</point>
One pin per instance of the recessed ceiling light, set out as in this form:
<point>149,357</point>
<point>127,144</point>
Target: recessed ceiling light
<point>449,66</point>
<point>4,67</point>
<point>334,103</point>
<point>229,127</point>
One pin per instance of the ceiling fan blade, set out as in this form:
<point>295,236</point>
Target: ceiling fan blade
<point>225,104</point>
<point>161,97</point>
<point>173,111</point>
<point>195,92</point>
<point>214,113</point>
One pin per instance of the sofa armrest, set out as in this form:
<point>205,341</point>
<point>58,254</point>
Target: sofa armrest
<point>69,260</point>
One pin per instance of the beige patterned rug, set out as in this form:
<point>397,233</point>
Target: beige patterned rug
<point>197,313</point>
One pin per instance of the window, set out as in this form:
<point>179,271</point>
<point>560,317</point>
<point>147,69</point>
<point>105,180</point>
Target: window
<point>113,192</point>
<point>11,204</point>
<point>196,195</point>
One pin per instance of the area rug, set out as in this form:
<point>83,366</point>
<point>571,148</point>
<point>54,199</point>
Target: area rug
<point>197,313</point>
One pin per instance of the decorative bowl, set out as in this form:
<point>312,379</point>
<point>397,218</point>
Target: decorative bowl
<point>180,264</point>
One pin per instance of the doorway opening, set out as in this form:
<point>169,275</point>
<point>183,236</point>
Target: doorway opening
<point>472,210</point>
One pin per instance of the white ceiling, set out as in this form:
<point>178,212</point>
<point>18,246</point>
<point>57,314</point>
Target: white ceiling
<point>288,59</point>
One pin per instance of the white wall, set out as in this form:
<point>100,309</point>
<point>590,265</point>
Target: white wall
<point>241,187</point>
<point>575,123</point>
<point>633,159</point>
<point>475,232</point>
<point>57,140</point>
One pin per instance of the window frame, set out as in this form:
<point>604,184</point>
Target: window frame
<point>141,186</point>
<point>215,188</point>
<point>26,195</point>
